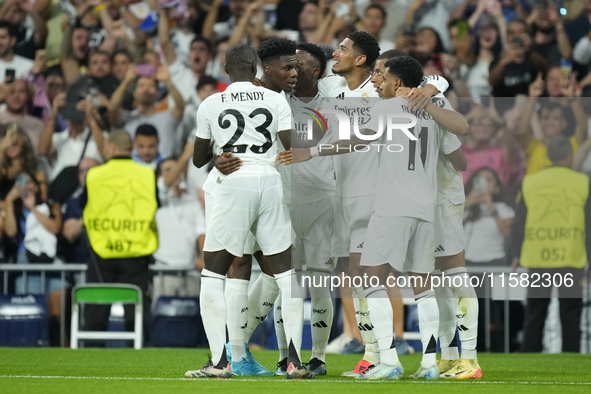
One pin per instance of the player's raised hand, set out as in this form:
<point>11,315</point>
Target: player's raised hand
<point>226,163</point>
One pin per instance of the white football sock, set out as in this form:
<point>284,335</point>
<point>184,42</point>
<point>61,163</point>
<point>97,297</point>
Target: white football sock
<point>467,312</point>
<point>428,326</point>
<point>447,304</point>
<point>279,329</point>
<point>372,350</point>
<point>382,316</point>
<point>261,298</point>
<point>321,316</point>
<point>237,315</point>
<point>213,313</point>
<point>292,310</point>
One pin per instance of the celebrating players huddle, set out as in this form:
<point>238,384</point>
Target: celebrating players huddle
<point>294,192</point>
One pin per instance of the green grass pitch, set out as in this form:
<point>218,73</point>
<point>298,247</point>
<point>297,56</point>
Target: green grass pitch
<point>147,371</point>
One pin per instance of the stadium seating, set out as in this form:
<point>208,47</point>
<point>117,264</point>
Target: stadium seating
<point>176,322</point>
<point>23,320</point>
<point>106,293</point>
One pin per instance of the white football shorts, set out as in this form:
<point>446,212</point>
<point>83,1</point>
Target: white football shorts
<point>245,203</point>
<point>449,229</point>
<point>351,217</point>
<point>403,242</point>
<point>312,225</point>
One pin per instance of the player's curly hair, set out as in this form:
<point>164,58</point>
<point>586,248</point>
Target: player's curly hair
<point>273,48</point>
<point>365,44</point>
<point>317,53</point>
<point>407,69</point>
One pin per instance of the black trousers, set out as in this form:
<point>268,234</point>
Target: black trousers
<point>571,305</point>
<point>133,271</point>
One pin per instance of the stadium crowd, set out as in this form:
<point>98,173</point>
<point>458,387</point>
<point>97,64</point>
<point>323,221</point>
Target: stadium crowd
<point>73,71</point>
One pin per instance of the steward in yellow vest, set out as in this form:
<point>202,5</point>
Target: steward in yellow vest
<point>554,201</point>
<point>119,213</point>
<point>550,236</point>
<point>121,200</point>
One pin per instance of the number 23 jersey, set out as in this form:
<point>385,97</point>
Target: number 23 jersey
<point>245,120</point>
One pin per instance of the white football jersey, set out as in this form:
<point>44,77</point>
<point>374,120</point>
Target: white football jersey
<point>450,182</point>
<point>439,82</point>
<point>355,173</point>
<point>285,171</point>
<point>406,182</point>
<point>312,180</point>
<point>245,120</point>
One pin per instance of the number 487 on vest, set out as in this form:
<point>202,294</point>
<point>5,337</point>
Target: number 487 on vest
<point>119,245</point>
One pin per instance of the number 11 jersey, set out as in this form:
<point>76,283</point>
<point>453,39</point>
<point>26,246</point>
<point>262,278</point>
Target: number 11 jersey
<point>245,120</point>
<point>406,182</point>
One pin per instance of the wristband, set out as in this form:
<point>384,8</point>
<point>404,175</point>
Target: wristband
<point>314,151</point>
<point>99,8</point>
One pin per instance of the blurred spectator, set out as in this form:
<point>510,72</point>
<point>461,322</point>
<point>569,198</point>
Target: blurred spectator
<point>145,96</point>
<point>216,31</point>
<point>373,23</point>
<point>557,88</point>
<point>76,250</point>
<point>46,84</point>
<point>582,51</point>
<point>286,9</point>
<point>481,150</point>
<point>187,27</point>
<point>251,28</point>
<point>549,37</point>
<point>16,111</point>
<point>487,219</point>
<point>428,41</point>
<point>512,72</point>
<point>563,196</point>
<point>307,22</point>
<point>146,146</point>
<point>185,77</point>
<point>98,83</point>
<point>206,87</point>
<point>181,227</point>
<point>9,61</point>
<point>75,52</point>
<point>32,224</point>
<point>579,27</point>
<point>121,61</point>
<point>18,156</point>
<point>433,14</point>
<point>82,138</point>
<point>534,136</point>
<point>217,65</point>
<point>29,36</point>
<point>487,46</point>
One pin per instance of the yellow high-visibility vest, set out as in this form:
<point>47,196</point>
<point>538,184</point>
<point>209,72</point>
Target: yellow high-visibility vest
<point>119,214</point>
<point>555,224</point>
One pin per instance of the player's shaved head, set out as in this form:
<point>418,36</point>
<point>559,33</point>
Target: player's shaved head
<point>241,63</point>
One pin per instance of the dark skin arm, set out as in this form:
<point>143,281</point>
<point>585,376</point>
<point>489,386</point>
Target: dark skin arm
<point>458,160</point>
<point>201,152</point>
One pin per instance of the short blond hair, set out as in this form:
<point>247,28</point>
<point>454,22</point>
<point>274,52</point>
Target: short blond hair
<point>122,140</point>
